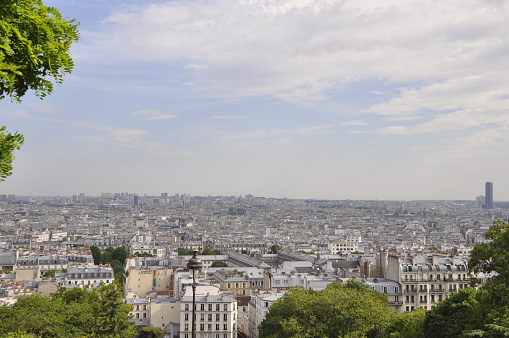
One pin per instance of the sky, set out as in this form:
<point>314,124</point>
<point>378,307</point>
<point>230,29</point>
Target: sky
<point>325,99</point>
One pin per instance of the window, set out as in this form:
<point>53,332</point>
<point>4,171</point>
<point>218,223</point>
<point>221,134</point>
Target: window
<point>202,307</point>
<point>209,317</point>
<point>225,317</point>
<point>225,307</point>
<point>186,307</point>
<point>186,327</point>
<point>202,317</point>
<point>202,327</point>
<point>186,316</point>
<point>217,327</point>
<point>210,307</point>
<point>217,307</point>
<point>225,327</point>
<point>217,317</point>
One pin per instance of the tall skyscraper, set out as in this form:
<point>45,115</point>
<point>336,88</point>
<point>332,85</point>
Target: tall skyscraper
<point>489,195</point>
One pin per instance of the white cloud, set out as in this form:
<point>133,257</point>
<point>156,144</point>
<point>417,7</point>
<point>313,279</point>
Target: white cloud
<point>459,104</point>
<point>353,123</point>
<point>154,114</point>
<point>258,137</point>
<point>286,48</point>
<point>226,117</point>
<point>124,134</point>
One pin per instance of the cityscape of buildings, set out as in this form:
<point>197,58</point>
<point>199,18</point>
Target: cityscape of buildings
<point>415,252</point>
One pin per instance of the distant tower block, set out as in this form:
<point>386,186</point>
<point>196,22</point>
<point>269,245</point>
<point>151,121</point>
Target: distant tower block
<point>489,195</point>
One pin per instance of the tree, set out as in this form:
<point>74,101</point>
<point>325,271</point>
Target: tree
<point>49,273</point>
<point>184,252</point>
<point>34,46</point>
<point>72,312</point>
<point>38,315</point>
<point>208,251</point>
<point>8,143</point>
<point>274,249</point>
<point>96,254</point>
<point>150,332</point>
<point>219,264</point>
<point>341,310</point>
<point>460,312</point>
<point>119,254</point>
<point>106,257</point>
<point>143,254</point>
<point>492,257</point>
<point>492,260</point>
<point>407,325</point>
<point>113,313</point>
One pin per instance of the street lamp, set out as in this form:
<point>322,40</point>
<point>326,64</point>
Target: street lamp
<point>194,264</point>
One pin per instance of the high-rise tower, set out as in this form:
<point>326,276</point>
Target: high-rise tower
<point>489,195</point>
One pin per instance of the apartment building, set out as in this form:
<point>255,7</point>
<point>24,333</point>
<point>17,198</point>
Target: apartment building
<point>145,274</point>
<point>232,282</point>
<point>258,308</point>
<point>216,313</point>
<point>425,280</point>
<point>88,275</point>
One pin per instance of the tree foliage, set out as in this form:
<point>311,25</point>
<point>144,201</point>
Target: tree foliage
<point>115,256</point>
<point>492,257</point>
<point>96,254</point>
<point>482,312</point>
<point>341,310</point>
<point>8,143</point>
<point>206,251</point>
<point>70,313</point>
<point>458,313</point>
<point>406,325</point>
<point>34,46</point>
<point>150,332</point>
<point>274,249</point>
<point>143,254</point>
<point>50,273</point>
<point>219,264</point>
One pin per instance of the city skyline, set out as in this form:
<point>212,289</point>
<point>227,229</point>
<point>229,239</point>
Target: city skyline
<point>299,99</point>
